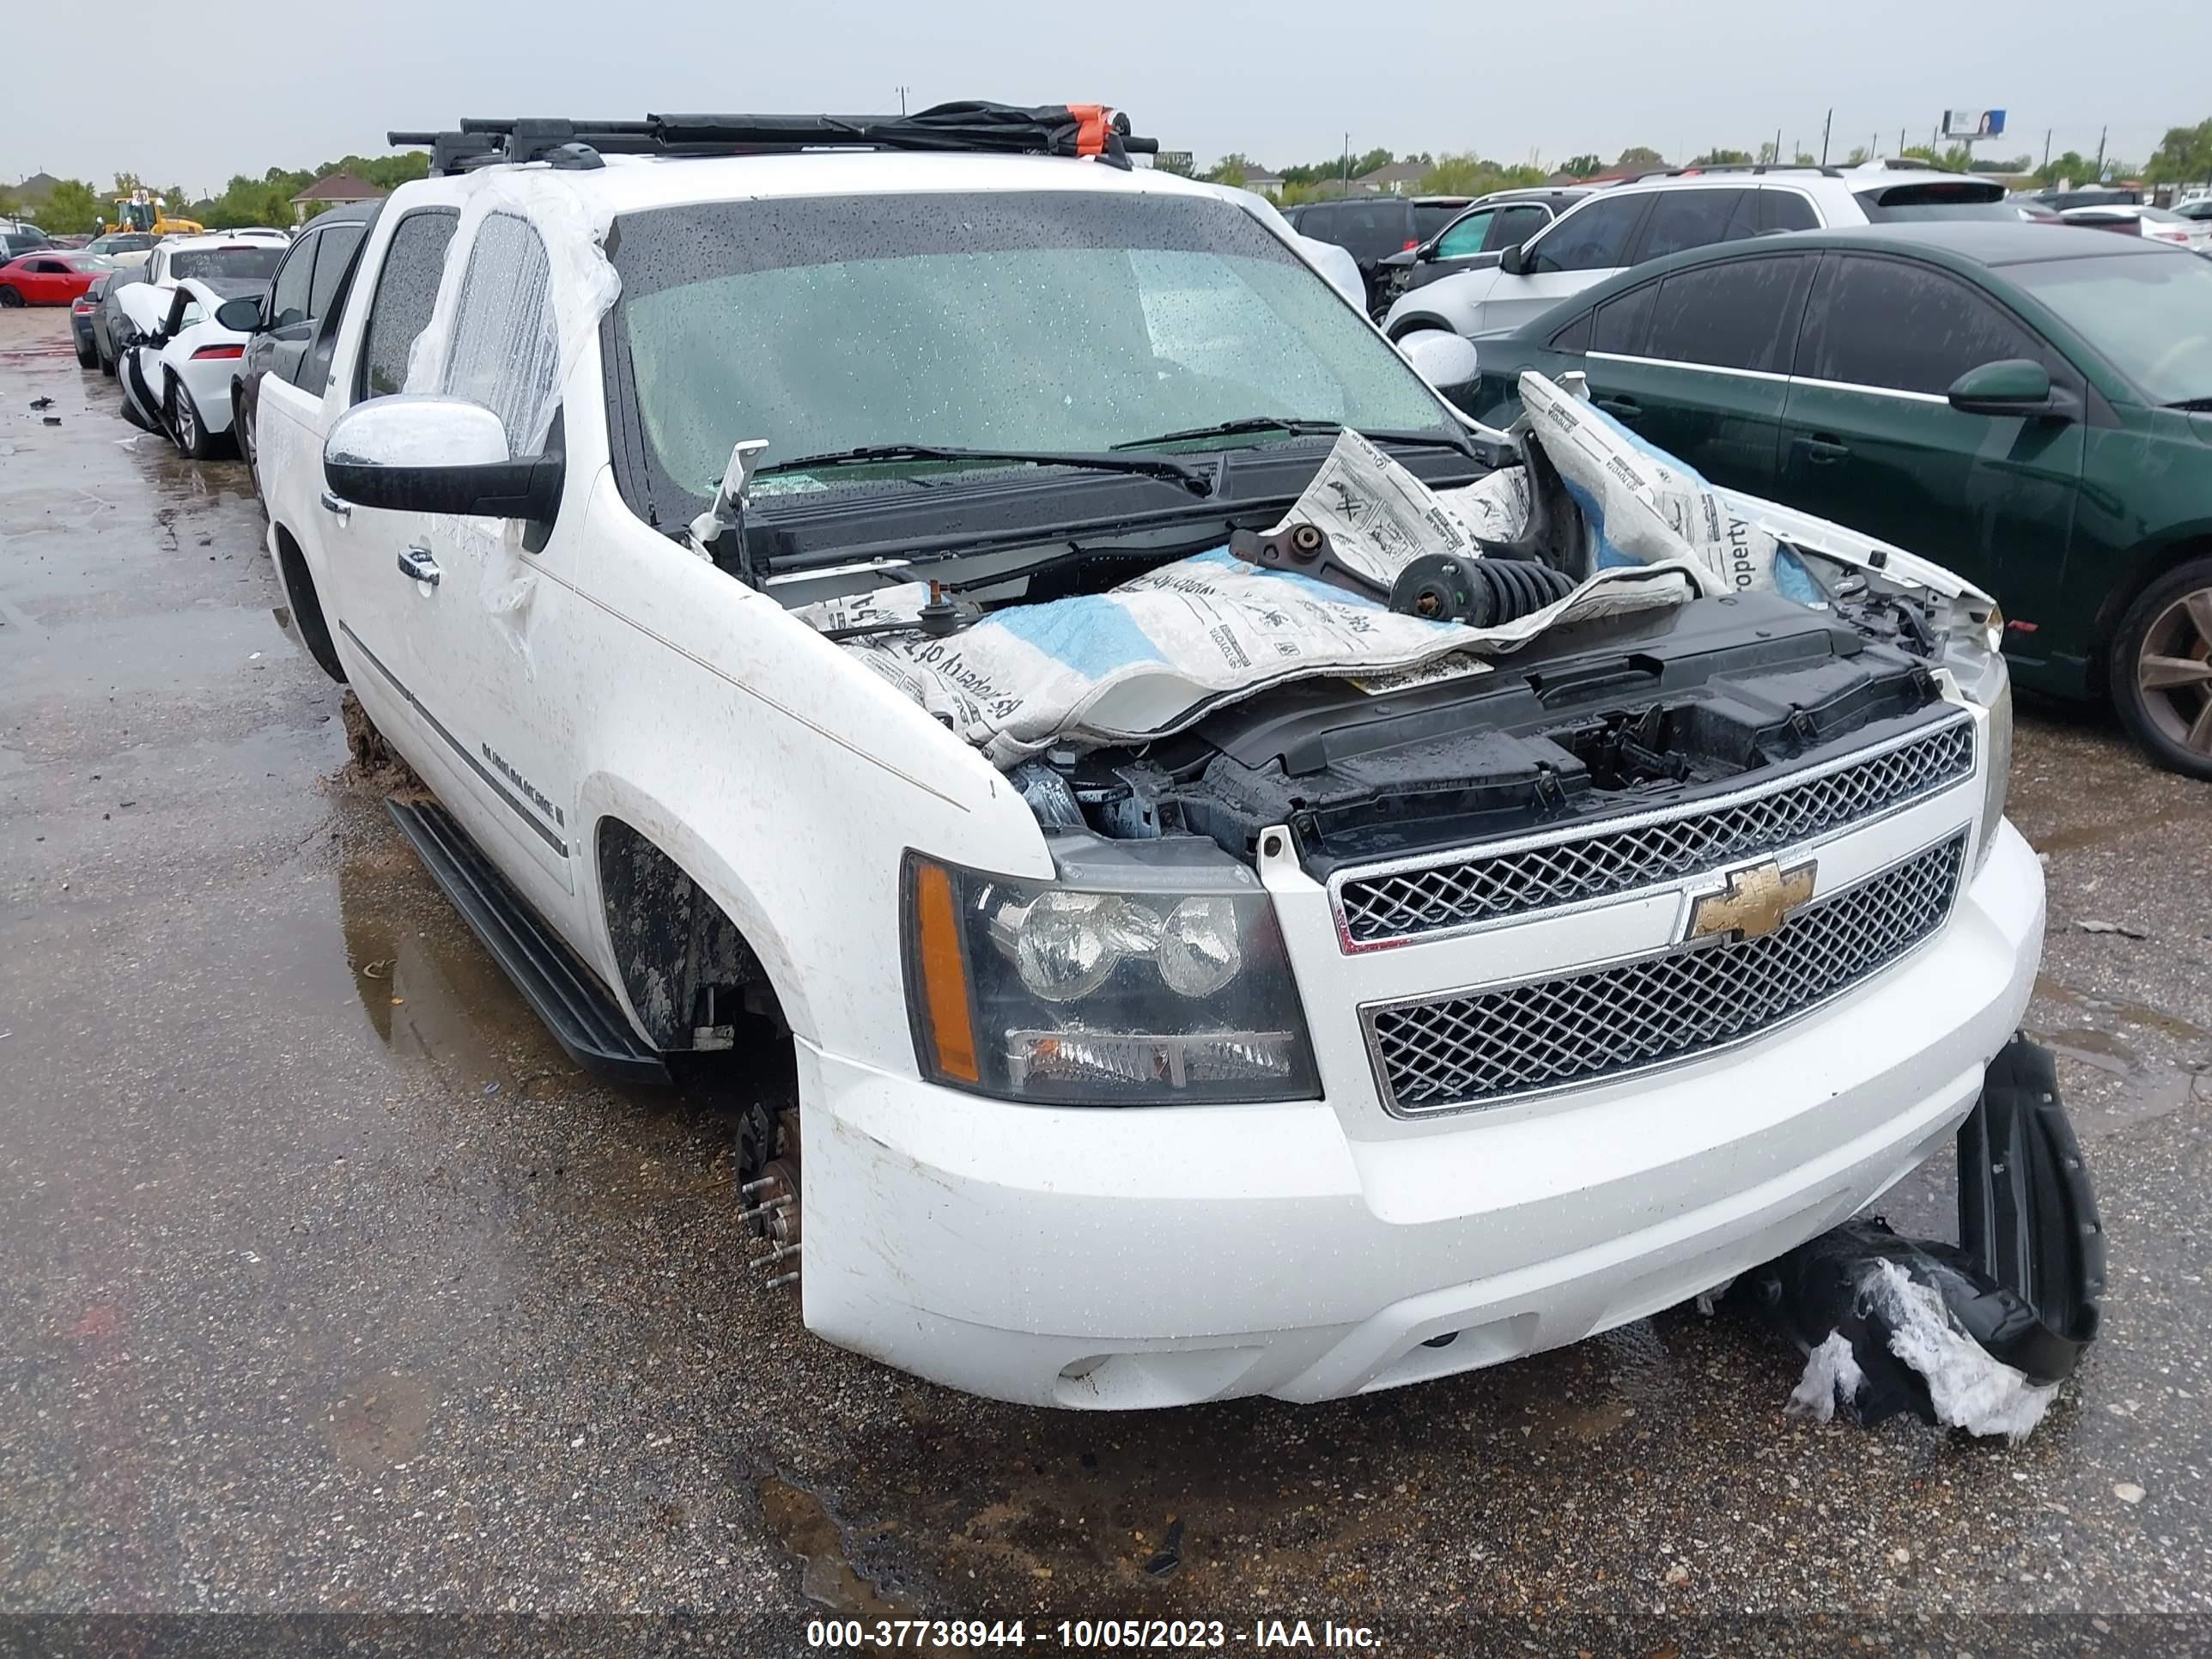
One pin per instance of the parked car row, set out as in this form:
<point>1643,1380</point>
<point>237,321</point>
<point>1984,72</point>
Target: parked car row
<point>2030,407</point>
<point>1660,214</point>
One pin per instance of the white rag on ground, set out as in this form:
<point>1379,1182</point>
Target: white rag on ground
<point>1160,652</point>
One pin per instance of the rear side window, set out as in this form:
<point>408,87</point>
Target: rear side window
<point>1371,229</point>
<point>505,351</point>
<point>1684,219</point>
<point>1741,314</point>
<point>1592,237</point>
<point>287,301</point>
<point>1575,337</point>
<point>1785,210</point>
<point>406,289</point>
<point>1621,324</point>
<point>1515,225</point>
<point>338,243</point>
<point>1883,323</point>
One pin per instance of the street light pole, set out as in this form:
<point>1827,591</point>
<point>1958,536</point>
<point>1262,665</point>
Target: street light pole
<point>1824,125</point>
<point>1344,191</point>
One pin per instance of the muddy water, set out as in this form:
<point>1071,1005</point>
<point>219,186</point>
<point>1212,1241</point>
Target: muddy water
<point>330,1283</point>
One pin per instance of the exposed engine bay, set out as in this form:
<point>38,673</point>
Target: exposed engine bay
<point>1591,633</point>
<point>1593,721</point>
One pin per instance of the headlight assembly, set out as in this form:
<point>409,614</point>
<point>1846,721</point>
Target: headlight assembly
<point>1078,993</point>
<point>1975,657</point>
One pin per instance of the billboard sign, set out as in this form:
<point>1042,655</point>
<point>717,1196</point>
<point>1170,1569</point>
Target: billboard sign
<point>1974,123</point>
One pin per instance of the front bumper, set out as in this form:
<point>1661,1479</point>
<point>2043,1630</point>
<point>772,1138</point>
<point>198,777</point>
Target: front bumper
<point>1109,1259</point>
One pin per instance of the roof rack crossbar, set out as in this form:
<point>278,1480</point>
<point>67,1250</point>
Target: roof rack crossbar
<point>1825,172</point>
<point>1072,130</point>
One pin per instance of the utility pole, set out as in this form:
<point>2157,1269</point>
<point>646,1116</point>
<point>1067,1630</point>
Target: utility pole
<point>1347,166</point>
<point>1777,147</point>
<point>2101,131</point>
<point>901,93</point>
<point>1901,141</point>
<point>2047,147</point>
<point>1824,125</point>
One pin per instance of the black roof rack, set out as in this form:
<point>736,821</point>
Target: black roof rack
<point>1740,166</point>
<point>1079,130</point>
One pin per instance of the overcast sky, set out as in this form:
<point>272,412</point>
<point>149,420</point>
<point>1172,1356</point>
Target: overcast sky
<point>256,83</point>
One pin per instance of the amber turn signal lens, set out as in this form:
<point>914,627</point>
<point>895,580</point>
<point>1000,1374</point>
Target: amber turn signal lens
<point>944,972</point>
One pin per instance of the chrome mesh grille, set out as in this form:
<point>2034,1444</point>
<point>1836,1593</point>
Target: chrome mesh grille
<point>1458,891</point>
<point>1487,1046</point>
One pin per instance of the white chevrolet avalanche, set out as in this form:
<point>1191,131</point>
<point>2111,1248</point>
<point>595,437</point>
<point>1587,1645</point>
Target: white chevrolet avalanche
<point>1355,1034</point>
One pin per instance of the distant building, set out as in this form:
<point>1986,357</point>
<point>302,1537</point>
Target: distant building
<point>33,190</point>
<point>1269,184</point>
<point>339,189</point>
<point>1399,178</point>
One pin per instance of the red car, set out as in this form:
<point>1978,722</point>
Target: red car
<point>50,277</point>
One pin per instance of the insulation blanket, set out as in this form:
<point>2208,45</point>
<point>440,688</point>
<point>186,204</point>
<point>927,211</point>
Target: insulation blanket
<point>1639,505</point>
<point>1157,653</point>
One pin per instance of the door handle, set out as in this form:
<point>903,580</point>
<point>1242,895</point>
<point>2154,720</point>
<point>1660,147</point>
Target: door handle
<point>333,505</point>
<point>1823,451</point>
<point>417,563</point>
<point>1621,409</point>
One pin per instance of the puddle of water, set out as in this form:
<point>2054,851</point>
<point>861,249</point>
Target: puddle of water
<point>2131,1013</point>
<point>803,1525</point>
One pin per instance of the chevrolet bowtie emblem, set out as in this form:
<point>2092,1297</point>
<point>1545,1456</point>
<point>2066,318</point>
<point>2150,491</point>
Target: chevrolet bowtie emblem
<point>1755,903</point>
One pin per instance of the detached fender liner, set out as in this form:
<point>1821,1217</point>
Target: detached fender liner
<point>2028,1214</point>
<point>1976,1335</point>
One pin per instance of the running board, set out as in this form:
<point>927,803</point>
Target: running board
<point>575,1004</point>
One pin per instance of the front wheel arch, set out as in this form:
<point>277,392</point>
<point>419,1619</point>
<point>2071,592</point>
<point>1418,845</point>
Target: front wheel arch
<point>306,605</point>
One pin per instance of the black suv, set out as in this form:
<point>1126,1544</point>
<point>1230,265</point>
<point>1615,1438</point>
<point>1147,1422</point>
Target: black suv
<point>309,290</point>
<point>1372,227</point>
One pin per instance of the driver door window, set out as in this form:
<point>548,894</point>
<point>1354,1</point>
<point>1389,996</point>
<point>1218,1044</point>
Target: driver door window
<point>1593,237</point>
<point>505,351</point>
<point>288,298</point>
<point>1465,237</point>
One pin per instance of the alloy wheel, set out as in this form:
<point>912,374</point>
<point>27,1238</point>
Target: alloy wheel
<point>2173,671</point>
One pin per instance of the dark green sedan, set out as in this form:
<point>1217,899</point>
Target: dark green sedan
<point>2027,404</point>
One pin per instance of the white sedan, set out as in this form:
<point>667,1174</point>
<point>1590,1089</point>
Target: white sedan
<point>176,380</point>
<point>2156,223</point>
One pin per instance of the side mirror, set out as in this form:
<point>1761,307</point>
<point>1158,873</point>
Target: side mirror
<point>412,452</point>
<point>240,316</point>
<point>2014,385</point>
<point>1446,361</point>
<point>1510,261</point>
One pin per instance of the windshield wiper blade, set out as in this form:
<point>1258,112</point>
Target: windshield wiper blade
<point>2193,405</point>
<point>1298,426</point>
<point>1155,467</point>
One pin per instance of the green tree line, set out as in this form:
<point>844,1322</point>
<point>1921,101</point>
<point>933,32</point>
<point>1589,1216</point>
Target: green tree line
<point>76,205</point>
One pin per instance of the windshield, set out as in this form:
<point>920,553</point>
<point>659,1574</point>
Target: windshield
<point>252,264</point>
<point>2149,314</point>
<point>1052,320</point>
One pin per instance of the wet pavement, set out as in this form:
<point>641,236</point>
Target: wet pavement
<point>328,1284</point>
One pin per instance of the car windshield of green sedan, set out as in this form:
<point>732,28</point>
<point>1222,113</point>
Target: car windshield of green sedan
<point>2152,318</point>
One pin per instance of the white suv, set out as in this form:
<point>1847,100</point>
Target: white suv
<point>1666,213</point>
<point>1357,1031</point>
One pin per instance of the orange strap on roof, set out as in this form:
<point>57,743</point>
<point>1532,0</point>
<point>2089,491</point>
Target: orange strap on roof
<point>1090,131</point>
